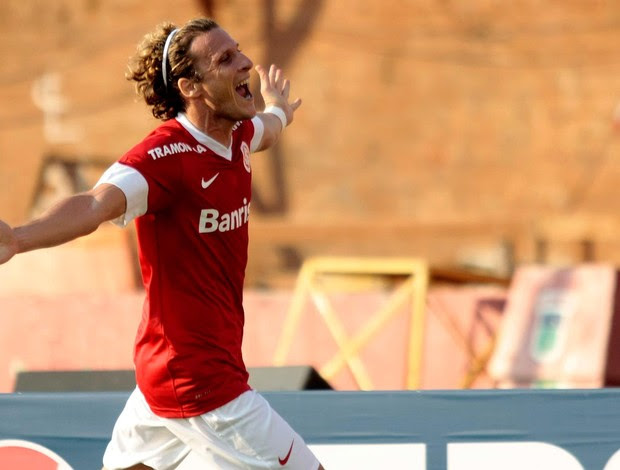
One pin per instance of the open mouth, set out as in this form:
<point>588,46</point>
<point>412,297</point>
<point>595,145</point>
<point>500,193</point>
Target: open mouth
<point>243,89</point>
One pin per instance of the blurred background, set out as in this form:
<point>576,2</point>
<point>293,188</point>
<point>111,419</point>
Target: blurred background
<point>477,139</point>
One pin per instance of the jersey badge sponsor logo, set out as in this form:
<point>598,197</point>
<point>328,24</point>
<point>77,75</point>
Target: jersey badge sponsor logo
<point>174,149</point>
<point>245,150</point>
<point>211,220</point>
<point>283,461</point>
<point>206,184</point>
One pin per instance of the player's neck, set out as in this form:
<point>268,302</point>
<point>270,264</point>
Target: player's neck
<point>219,130</point>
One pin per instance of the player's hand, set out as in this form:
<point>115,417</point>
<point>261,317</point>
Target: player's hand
<point>275,90</point>
<point>8,243</point>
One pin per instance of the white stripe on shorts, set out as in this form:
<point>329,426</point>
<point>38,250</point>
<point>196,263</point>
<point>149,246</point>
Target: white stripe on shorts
<point>245,433</point>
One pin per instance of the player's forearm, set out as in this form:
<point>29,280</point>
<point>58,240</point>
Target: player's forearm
<point>62,223</point>
<point>272,129</point>
<point>66,221</point>
<point>279,111</point>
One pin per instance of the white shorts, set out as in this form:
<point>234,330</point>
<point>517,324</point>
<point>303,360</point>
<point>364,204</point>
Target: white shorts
<point>245,433</point>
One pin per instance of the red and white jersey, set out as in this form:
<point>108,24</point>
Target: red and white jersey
<point>190,198</point>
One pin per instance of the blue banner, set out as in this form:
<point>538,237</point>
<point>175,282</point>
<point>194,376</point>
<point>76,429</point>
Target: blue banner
<point>425,430</point>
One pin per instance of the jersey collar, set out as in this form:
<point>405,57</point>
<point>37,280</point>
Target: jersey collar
<point>204,139</point>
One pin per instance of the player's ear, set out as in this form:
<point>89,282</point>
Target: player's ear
<point>189,88</point>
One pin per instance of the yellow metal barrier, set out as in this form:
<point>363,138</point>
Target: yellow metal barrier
<point>414,286</point>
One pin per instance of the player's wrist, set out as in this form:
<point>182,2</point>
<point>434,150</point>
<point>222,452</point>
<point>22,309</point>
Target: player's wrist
<point>278,112</point>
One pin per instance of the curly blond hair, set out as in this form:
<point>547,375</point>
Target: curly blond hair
<point>145,67</point>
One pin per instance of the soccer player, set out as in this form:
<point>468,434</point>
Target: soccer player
<point>187,187</point>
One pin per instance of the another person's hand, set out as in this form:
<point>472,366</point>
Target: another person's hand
<point>8,243</point>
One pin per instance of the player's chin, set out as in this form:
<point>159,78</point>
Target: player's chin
<point>248,111</point>
<point>244,104</point>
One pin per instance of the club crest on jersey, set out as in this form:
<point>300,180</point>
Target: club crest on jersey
<point>245,150</point>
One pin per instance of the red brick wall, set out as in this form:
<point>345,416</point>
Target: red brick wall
<point>90,331</point>
<point>445,115</point>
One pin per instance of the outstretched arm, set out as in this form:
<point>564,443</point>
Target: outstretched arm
<point>275,90</point>
<point>71,218</point>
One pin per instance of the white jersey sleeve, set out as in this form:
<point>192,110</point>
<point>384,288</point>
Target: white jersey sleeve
<point>259,130</point>
<point>134,186</point>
